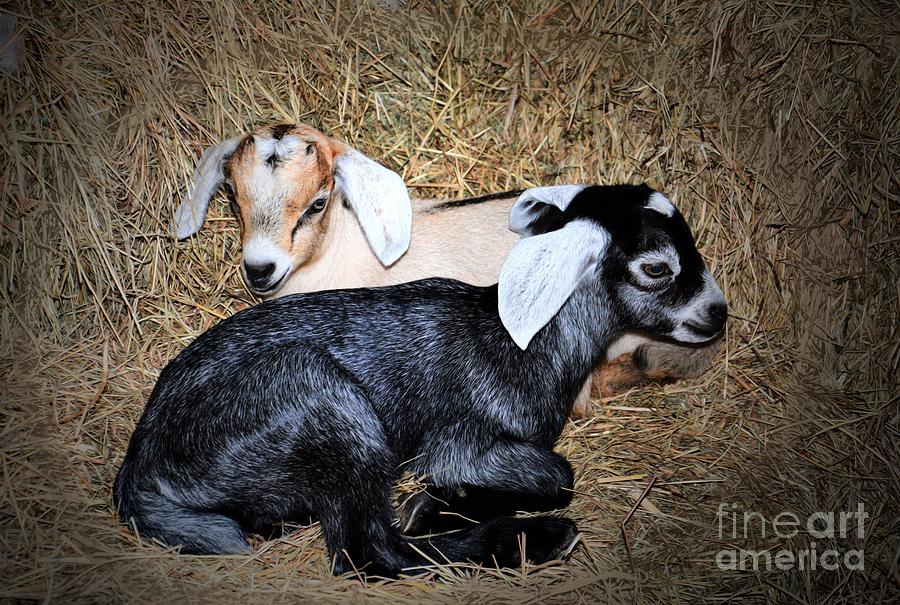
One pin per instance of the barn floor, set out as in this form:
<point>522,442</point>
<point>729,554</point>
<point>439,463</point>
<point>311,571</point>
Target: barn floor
<point>774,126</point>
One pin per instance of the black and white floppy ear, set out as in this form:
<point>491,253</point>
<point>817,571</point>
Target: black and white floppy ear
<point>208,177</point>
<point>380,200</point>
<point>542,271</point>
<point>544,268</point>
<point>539,207</point>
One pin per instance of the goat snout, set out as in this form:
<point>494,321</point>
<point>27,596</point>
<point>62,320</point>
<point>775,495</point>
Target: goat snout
<point>265,266</point>
<point>711,322</point>
<point>258,276</point>
<point>263,278</point>
<point>716,314</point>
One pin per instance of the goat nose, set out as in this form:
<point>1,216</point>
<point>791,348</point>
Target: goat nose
<point>258,275</point>
<point>717,314</point>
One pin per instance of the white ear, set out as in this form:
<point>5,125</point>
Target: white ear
<point>538,204</point>
<point>208,177</point>
<point>379,198</point>
<point>540,274</point>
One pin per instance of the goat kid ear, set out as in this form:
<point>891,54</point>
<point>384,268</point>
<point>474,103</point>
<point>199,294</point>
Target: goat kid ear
<point>538,207</point>
<point>208,177</point>
<point>380,200</point>
<point>540,274</point>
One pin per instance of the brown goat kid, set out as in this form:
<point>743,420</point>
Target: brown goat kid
<point>316,214</point>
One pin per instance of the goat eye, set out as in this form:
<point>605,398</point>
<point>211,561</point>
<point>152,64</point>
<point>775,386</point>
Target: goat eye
<point>317,206</point>
<point>309,148</point>
<point>656,270</point>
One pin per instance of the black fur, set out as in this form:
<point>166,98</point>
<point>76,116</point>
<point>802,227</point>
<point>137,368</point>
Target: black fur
<point>280,130</point>
<point>471,201</point>
<point>314,404</point>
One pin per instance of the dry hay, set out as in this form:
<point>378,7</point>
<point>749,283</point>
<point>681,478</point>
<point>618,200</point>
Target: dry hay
<point>774,126</point>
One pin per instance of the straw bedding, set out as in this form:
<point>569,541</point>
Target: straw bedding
<point>774,126</point>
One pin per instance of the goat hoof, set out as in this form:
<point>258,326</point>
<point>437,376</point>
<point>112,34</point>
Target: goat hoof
<point>417,510</point>
<point>432,511</point>
<point>546,538</point>
<point>553,539</point>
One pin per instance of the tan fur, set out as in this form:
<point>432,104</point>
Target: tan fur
<point>476,238</point>
<point>618,375</point>
<point>306,176</point>
<point>468,243</point>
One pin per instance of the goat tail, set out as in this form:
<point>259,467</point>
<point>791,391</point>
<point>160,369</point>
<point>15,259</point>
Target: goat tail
<point>154,515</point>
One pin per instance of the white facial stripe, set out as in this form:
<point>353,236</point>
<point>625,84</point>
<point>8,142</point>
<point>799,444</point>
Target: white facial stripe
<point>270,188</point>
<point>666,255</point>
<point>267,212</point>
<point>289,144</point>
<point>264,147</point>
<point>695,311</point>
<point>711,293</point>
<point>283,147</point>
<point>657,201</point>
<point>262,251</point>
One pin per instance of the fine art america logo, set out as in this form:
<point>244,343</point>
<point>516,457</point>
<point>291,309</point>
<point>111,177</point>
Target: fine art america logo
<point>828,527</point>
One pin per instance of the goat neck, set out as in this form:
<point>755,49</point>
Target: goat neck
<point>345,259</point>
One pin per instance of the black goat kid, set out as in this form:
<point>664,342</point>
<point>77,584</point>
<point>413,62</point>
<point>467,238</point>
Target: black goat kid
<point>314,404</point>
